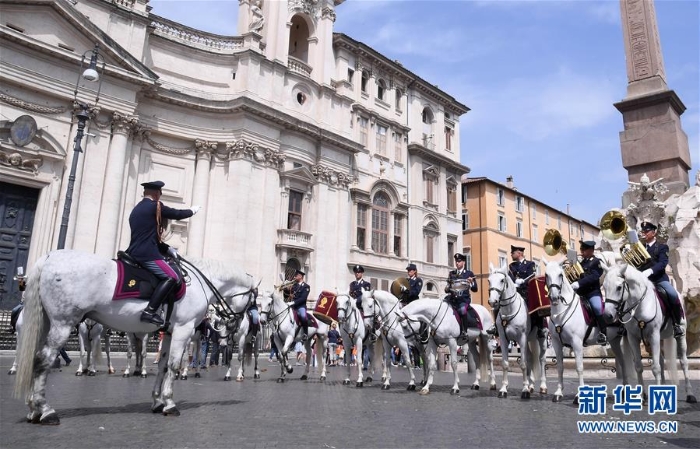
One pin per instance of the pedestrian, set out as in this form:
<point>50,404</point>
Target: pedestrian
<point>333,338</point>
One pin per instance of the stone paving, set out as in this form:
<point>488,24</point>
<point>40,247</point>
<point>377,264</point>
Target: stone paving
<point>109,411</point>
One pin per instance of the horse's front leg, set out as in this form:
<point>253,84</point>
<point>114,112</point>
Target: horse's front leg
<point>543,361</point>
<point>577,348</point>
<point>162,370</point>
<point>256,355</point>
<point>616,345</point>
<point>452,344</point>
<point>82,338</point>
<point>108,353</point>
<point>322,341</point>
<point>524,359</point>
<point>285,366</point>
<point>505,354</point>
<point>559,354</point>
<point>682,351</point>
<point>655,343</point>
<point>431,365</point>
<point>241,356</point>
<point>95,348</point>
<point>634,343</point>
<point>181,335</point>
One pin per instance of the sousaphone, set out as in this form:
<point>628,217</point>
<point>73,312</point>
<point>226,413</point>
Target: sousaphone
<point>396,286</point>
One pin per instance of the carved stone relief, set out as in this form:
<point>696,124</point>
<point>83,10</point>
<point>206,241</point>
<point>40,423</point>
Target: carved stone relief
<point>252,151</point>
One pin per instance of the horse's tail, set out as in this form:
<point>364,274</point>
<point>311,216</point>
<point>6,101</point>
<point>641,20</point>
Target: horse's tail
<point>34,329</point>
<point>247,353</point>
<point>534,347</point>
<point>671,357</point>
<point>484,358</point>
<point>98,355</point>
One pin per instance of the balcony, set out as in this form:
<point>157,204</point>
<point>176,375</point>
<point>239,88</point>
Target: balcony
<point>294,240</point>
<point>299,66</point>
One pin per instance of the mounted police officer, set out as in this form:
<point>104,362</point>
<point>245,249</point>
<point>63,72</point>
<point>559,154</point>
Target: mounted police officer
<point>521,271</point>
<point>655,270</point>
<point>415,285</point>
<point>460,297</point>
<point>359,285</point>
<point>145,222</point>
<point>300,293</point>
<point>588,286</point>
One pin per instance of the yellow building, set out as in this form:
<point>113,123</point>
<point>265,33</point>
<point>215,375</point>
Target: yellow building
<point>496,216</point>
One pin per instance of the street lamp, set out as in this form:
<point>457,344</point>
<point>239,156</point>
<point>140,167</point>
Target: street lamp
<point>92,75</point>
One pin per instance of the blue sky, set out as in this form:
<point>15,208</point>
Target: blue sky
<point>540,77</point>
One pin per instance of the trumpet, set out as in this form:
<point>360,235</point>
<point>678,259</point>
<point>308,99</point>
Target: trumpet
<point>614,226</point>
<point>554,244</point>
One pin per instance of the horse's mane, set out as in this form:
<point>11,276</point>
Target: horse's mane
<point>223,271</point>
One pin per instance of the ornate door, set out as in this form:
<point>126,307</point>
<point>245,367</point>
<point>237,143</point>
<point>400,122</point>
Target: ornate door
<point>17,209</point>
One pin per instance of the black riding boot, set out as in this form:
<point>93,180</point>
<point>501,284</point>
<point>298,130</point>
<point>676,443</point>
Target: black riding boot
<point>493,330</point>
<point>602,327</point>
<point>676,314</point>
<point>149,315</point>
<point>463,326</point>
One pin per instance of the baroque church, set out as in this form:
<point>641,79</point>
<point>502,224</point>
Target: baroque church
<point>306,148</point>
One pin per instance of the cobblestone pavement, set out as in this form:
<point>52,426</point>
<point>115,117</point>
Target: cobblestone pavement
<point>108,411</point>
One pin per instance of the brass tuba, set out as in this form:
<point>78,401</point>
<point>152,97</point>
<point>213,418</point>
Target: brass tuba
<point>554,244</point>
<point>614,226</point>
<point>396,286</point>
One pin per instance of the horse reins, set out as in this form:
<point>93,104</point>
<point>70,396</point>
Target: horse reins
<point>501,300</point>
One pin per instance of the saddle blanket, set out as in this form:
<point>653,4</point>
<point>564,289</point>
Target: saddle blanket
<point>473,319</point>
<point>311,319</point>
<point>138,283</point>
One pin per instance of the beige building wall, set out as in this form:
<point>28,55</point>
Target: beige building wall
<point>496,215</point>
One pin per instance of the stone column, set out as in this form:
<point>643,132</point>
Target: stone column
<point>197,224</point>
<point>110,206</point>
<point>653,140</point>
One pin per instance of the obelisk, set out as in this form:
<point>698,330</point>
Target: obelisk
<point>653,141</point>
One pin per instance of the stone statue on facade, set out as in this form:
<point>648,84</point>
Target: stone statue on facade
<point>258,21</point>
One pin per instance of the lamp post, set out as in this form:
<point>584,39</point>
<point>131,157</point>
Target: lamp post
<point>90,74</point>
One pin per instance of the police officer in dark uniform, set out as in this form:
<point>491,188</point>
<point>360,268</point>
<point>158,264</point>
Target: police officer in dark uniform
<point>415,285</point>
<point>588,286</point>
<point>460,298</point>
<point>300,293</point>
<point>145,222</point>
<point>655,270</point>
<point>359,285</point>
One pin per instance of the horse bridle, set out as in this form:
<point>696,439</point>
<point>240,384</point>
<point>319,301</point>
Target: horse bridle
<point>375,306</point>
<point>554,317</point>
<point>501,300</point>
<point>346,315</point>
<point>621,312</point>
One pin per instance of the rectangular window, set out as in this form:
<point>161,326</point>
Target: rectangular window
<point>381,140</point>
<point>502,259</point>
<point>398,96</point>
<point>582,233</point>
<point>500,197</point>
<point>468,262</point>
<point>397,235</point>
<point>398,147</point>
<point>519,228</point>
<point>450,254</point>
<point>451,199</point>
<point>465,221</point>
<point>361,225</point>
<point>351,73</point>
<point>559,222</point>
<point>571,228</point>
<point>364,129</point>
<point>519,203</point>
<point>429,248</point>
<point>533,208</point>
<point>294,213</point>
<point>534,233</point>
<point>384,284</point>
<point>502,223</point>
<point>546,217</point>
<point>380,231</point>
<point>429,192</point>
<point>537,266</point>
<point>448,138</point>
<point>464,193</point>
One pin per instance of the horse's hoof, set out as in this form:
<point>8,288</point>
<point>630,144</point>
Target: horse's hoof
<point>576,400</point>
<point>290,370</point>
<point>475,387</point>
<point>386,387</point>
<point>543,391</point>
<point>158,408</point>
<point>183,377</point>
<point>424,392</point>
<point>172,411</point>
<point>454,391</point>
<point>91,374</point>
<point>493,388</point>
<point>50,420</point>
<point>143,376</point>
<point>280,380</point>
<point>346,382</point>
<point>11,373</point>
<point>557,398</point>
<point>257,376</point>
<point>525,395</point>
<point>531,390</point>
<point>126,375</point>
<point>110,371</point>
<point>197,375</point>
<point>239,379</point>
<point>323,378</point>
<point>691,399</point>
<point>422,383</point>
<point>227,378</point>
<point>368,379</point>
<point>304,377</point>
<point>411,387</point>
<point>383,379</point>
<point>502,394</point>
<point>359,384</point>
<point>78,373</point>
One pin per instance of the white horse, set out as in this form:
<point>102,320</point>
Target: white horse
<point>248,350</point>
<point>90,341</point>
<point>440,316</point>
<point>568,327</point>
<point>354,332</point>
<point>18,330</point>
<point>138,344</point>
<point>279,313</point>
<point>513,324</point>
<point>65,286</point>
<point>632,298</point>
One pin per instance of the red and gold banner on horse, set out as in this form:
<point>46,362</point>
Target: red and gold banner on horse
<point>537,298</point>
<point>326,307</point>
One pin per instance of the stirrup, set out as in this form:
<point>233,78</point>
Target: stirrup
<point>678,331</point>
<point>602,339</point>
<point>493,330</point>
<point>152,317</point>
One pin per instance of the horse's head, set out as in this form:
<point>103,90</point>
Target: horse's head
<point>266,302</point>
<point>345,306</point>
<point>555,280</point>
<point>498,284</point>
<point>617,290</point>
<point>369,303</point>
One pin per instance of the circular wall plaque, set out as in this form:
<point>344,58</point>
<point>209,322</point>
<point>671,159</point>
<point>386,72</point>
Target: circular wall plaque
<point>23,130</point>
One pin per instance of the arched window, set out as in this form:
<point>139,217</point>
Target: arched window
<point>380,223</point>
<point>365,80</point>
<point>431,233</point>
<point>381,89</point>
<point>427,116</point>
<point>290,268</point>
<point>399,95</point>
<point>299,39</point>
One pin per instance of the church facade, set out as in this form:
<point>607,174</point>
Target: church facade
<point>306,148</point>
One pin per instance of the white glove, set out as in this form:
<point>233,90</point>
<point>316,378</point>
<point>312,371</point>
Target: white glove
<point>575,285</point>
<point>195,209</point>
<point>519,282</point>
<point>403,288</point>
<point>172,252</point>
<point>648,272</point>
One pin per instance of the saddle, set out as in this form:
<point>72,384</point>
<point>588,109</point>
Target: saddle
<point>309,317</point>
<point>136,282</point>
<point>473,319</point>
